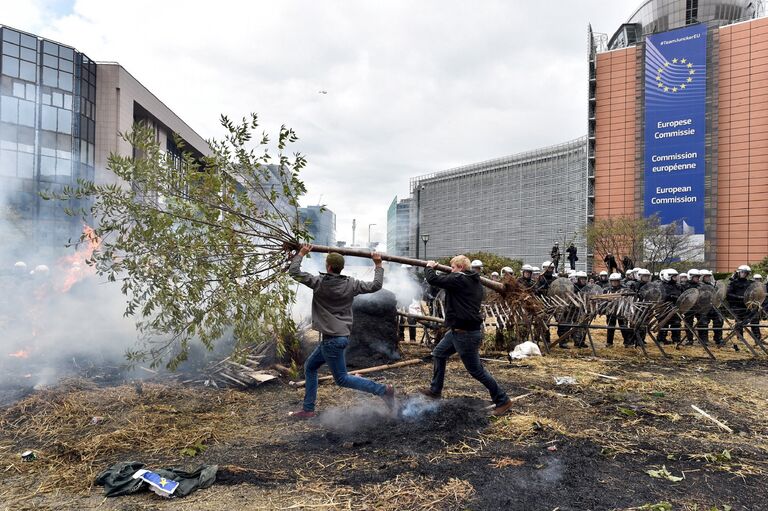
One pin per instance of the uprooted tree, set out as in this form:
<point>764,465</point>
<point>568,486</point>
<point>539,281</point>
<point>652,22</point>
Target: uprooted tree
<point>199,244</point>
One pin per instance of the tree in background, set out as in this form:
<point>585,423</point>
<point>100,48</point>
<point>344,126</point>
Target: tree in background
<point>491,262</point>
<point>644,240</point>
<point>199,245</point>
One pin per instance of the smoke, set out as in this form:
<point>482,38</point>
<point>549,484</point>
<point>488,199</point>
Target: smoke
<point>369,413</point>
<point>57,317</point>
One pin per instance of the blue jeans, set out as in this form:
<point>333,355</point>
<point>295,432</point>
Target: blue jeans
<point>467,345</point>
<point>331,351</point>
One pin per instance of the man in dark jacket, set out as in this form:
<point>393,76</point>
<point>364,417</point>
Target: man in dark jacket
<point>463,298</point>
<point>627,335</point>
<point>526,280</point>
<point>332,317</point>
<point>610,263</point>
<point>572,257</point>
<point>555,255</point>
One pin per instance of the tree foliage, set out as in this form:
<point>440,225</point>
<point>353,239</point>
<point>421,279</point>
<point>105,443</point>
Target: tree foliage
<point>491,262</point>
<point>645,240</point>
<point>199,245</point>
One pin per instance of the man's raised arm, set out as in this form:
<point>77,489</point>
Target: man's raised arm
<point>294,270</point>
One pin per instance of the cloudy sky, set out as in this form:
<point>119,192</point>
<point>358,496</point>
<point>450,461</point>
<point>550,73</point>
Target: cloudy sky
<point>413,86</point>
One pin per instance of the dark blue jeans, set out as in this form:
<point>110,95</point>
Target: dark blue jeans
<point>331,351</point>
<point>467,345</point>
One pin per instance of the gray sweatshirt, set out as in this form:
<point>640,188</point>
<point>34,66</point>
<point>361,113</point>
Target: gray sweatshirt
<point>332,298</point>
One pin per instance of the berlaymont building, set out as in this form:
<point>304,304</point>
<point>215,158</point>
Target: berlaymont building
<point>677,126</point>
<point>60,118</point>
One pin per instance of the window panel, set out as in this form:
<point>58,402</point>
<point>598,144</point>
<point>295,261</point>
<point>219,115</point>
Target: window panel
<point>50,61</point>
<point>66,53</point>
<point>65,121</point>
<point>26,165</point>
<point>65,81</point>
<point>48,121</point>
<point>27,71</point>
<point>27,113</point>
<point>9,108</point>
<point>18,89</point>
<point>57,99</point>
<point>68,101</point>
<point>50,77</point>
<point>7,163</point>
<point>47,166</point>
<point>28,41</point>
<point>28,54</point>
<point>64,146</point>
<point>10,66</point>
<point>63,167</point>
<point>11,49</point>
<point>91,155</point>
<point>50,48</point>
<point>8,145</point>
<point>11,36</point>
<point>26,139</point>
<point>66,65</point>
<point>31,92</point>
<point>83,151</point>
<point>47,98</point>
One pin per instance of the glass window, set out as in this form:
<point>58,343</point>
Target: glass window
<point>46,98</point>
<point>27,113</point>
<point>50,77</point>
<point>66,65</point>
<point>27,71</point>
<point>18,89</point>
<point>31,92</point>
<point>10,66</point>
<point>7,144</point>
<point>57,99</point>
<point>83,151</point>
<point>48,121</point>
<point>26,164</point>
<point>64,146</point>
<point>48,143</point>
<point>63,167</point>
<point>50,61</point>
<point>68,101</point>
<point>26,139</point>
<point>10,49</point>
<point>65,121</point>
<point>47,166</point>
<point>7,163</point>
<point>91,155</point>
<point>10,36</point>
<point>28,54</point>
<point>28,41</point>
<point>65,81</point>
<point>50,48</point>
<point>9,108</point>
<point>66,53</point>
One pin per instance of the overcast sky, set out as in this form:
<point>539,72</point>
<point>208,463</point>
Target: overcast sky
<point>413,87</point>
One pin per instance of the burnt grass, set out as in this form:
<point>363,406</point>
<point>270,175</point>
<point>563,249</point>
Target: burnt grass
<point>569,447</point>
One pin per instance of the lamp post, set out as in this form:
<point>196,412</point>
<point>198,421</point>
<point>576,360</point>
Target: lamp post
<point>425,239</point>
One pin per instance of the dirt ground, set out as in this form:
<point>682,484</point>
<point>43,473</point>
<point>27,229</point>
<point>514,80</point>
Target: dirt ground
<point>584,446</point>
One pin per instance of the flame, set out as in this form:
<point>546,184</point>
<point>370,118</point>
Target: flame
<point>75,266</point>
<point>19,354</point>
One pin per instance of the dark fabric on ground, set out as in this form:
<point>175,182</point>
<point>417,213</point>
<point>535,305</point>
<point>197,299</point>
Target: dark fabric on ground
<point>118,479</point>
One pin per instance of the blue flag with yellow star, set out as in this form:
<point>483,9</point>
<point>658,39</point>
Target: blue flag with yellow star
<point>159,484</point>
<point>675,89</point>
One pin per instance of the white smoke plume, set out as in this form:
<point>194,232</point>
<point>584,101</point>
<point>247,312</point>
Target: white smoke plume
<point>368,412</point>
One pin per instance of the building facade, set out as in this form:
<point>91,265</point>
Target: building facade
<point>60,118</point>
<point>322,224</point>
<point>704,165</point>
<point>517,206</point>
<point>399,227</point>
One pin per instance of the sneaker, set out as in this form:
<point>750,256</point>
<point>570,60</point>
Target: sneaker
<point>428,393</point>
<point>389,396</point>
<point>302,414</point>
<point>502,408</point>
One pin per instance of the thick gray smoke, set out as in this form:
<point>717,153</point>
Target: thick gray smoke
<point>368,412</point>
<point>57,317</point>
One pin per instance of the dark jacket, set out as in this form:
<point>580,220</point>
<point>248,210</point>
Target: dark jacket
<point>463,298</point>
<point>526,282</point>
<point>735,294</point>
<point>542,284</point>
<point>671,291</point>
<point>610,262</point>
<point>572,253</point>
<point>332,298</point>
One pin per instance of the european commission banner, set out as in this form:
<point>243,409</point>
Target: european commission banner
<point>675,104</point>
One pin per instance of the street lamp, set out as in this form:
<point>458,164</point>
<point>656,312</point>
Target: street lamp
<point>425,239</point>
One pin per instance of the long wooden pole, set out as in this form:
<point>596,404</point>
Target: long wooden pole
<point>360,252</point>
<point>419,317</point>
<point>374,369</point>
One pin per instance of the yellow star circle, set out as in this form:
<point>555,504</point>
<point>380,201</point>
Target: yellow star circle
<point>684,64</point>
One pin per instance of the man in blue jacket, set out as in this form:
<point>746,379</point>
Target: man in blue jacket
<point>332,317</point>
<point>463,298</point>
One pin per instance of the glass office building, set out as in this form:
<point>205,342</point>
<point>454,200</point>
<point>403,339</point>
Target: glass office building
<point>47,132</point>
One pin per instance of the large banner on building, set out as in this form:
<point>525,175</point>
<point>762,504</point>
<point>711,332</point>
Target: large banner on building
<point>675,106</point>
